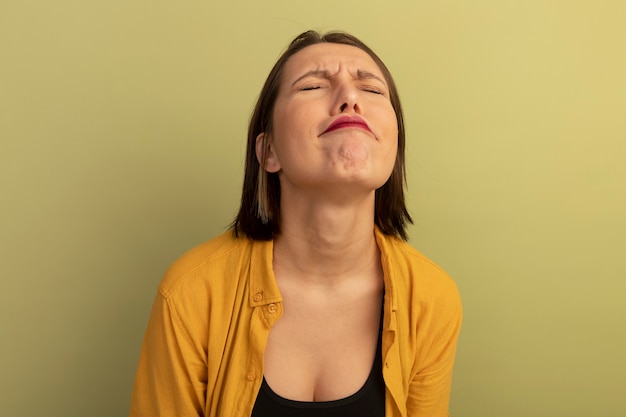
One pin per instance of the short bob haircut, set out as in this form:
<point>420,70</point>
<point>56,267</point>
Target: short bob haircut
<point>259,214</point>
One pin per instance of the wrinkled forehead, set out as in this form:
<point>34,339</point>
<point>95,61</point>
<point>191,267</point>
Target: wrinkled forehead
<point>330,58</point>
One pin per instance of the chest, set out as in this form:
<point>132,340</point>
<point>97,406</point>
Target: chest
<point>323,351</point>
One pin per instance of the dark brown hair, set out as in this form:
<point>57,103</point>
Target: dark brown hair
<point>259,214</point>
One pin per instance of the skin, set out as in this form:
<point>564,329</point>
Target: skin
<point>320,84</point>
<point>326,261</point>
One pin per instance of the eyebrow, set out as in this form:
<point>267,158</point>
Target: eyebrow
<point>318,73</point>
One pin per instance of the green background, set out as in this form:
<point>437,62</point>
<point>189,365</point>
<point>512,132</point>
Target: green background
<point>122,134</point>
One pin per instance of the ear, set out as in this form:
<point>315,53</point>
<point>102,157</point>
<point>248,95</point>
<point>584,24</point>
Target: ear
<point>265,150</point>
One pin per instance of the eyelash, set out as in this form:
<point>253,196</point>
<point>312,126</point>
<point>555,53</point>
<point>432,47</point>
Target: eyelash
<point>366,89</point>
<point>373,90</point>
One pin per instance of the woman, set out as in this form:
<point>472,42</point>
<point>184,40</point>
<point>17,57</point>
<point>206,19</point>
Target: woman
<point>312,304</point>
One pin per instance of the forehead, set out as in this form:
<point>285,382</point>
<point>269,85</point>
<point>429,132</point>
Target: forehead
<point>330,57</point>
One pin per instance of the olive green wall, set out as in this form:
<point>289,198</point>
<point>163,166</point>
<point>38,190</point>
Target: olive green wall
<point>122,127</point>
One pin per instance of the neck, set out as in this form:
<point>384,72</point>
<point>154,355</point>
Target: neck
<point>325,242</point>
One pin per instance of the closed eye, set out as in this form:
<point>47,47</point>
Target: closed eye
<point>310,87</point>
<point>372,90</point>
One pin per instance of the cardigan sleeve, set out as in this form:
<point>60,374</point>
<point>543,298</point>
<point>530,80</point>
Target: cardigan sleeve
<point>171,375</point>
<point>429,391</point>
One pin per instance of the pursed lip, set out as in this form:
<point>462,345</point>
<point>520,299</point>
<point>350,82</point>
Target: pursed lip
<point>347,122</point>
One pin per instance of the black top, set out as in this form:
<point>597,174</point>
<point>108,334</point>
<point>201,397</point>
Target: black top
<point>369,401</point>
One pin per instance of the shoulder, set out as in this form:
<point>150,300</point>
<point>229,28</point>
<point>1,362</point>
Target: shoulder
<point>401,255</point>
<point>425,298</point>
<point>415,274</point>
<point>209,259</point>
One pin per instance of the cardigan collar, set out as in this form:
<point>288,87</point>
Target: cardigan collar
<point>263,287</point>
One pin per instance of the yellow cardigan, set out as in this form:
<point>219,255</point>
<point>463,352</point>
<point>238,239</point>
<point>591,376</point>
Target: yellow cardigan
<point>202,353</point>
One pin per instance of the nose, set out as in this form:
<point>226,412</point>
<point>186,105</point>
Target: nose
<point>347,100</point>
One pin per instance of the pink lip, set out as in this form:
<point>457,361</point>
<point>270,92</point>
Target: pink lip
<point>347,122</point>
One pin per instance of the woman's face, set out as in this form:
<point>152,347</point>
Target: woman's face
<point>334,127</point>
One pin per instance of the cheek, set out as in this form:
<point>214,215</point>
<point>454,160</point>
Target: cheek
<point>392,137</point>
<point>387,119</point>
<point>393,150</point>
<point>290,120</point>
<point>290,136</point>
<point>391,129</point>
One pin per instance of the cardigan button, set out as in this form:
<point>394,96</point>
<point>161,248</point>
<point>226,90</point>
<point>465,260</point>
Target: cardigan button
<point>258,296</point>
<point>271,308</point>
<point>250,376</point>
